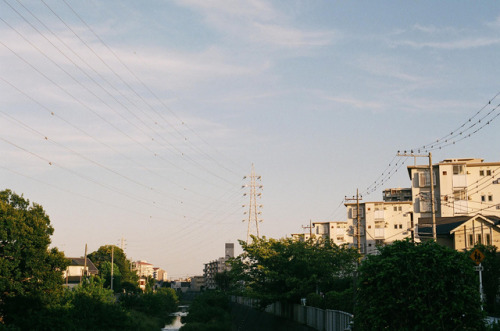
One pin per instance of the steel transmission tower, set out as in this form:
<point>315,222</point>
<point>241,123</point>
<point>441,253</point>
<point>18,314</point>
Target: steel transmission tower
<point>254,208</point>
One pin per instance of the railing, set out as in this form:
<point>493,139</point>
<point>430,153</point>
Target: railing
<point>319,319</point>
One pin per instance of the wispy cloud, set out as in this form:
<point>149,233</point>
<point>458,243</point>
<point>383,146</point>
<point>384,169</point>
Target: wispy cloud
<point>355,102</point>
<point>451,45</point>
<point>259,22</point>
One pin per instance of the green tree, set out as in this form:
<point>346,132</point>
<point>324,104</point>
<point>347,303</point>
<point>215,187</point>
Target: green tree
<point>287,270</point>
<point>156,306</point>
<point>128,279</point>
<point>105,273</point>
<point>412,286</point>
<point>30,272</point>
<point>208,311</point>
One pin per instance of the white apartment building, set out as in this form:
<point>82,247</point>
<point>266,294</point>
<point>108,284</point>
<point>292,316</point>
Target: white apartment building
<point>380,223</point>
<point>465,186</point>
<point>336,231</point>
<point>143,269</point>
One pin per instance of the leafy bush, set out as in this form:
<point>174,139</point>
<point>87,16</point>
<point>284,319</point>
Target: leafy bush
<point>418,287</point>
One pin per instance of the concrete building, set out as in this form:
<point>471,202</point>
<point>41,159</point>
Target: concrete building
<point>197,283</point>
<point>336,231</point>
<point>462,187</point>
<point>397,194</point>
<point>217,266</point>
<point>143,269</point>
<point>380,223</point>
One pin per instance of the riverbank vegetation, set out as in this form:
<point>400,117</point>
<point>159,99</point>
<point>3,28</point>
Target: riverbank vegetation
<point>32,296</point>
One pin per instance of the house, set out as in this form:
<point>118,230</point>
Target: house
<point>380,223</point>
<point>77,269</point>
<point>465,186</point>
<point>462,232</point>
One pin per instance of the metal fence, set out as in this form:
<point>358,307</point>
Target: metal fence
<point>319,319</point>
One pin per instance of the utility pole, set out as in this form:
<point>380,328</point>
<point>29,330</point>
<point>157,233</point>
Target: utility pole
<point>358,218</point>
<point>112,262</point>
<point>308,227</point>
<point>431,179</point>
<point>84,271</point>
<point>253,208</point>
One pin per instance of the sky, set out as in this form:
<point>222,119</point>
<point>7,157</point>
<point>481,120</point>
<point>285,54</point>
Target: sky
<point>134,123</point>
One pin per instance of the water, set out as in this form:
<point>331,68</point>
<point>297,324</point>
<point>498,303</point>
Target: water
<point>175,325</point>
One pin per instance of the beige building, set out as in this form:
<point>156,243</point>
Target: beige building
<point>380,223</point>
<point>462,187</point>
<point>336,231</point>
<point>462,232</point>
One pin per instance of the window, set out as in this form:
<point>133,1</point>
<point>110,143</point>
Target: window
<point>483,198</point>
<point>424,179</point>
<point>354,212</point>
<point>395,226</point>
<point>459,195</point>
<point>445,173</point>
<point>488,172</point>
<point>490,197</point>
<point>395,208</point>
<point>425,202</point>
<point>481,172</point>
<point>400,208</point>
<point>471,240</point>
<point>458,169</point>
<point>488,239</point>
<point>400,226</point>
<point>479,239</point>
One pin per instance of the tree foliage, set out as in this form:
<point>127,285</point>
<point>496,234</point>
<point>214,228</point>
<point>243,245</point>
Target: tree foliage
<point>124,278</point>
<point>287,270</point>
<point>208,311</point>
<point>30,272</point>
<point>417,287</point>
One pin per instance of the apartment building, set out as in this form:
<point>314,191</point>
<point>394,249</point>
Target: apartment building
<point>380,223</point>
<point>217,266</point>
<point>336,231</point>
<point>465,186</point>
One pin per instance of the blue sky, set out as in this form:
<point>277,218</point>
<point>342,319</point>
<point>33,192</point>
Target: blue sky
<point>140,119</point>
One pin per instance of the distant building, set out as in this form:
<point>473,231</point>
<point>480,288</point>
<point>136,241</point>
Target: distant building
<point>217,266</point>
<point>397,194</point>
<point>143,268</point>
<point>336,231</point>
<point>380,223</point>
<point>78,268</point>
<point>159,274</point>
<point>197,283</point>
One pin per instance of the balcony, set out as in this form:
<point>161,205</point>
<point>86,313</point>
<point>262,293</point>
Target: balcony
<point>379,233</point>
